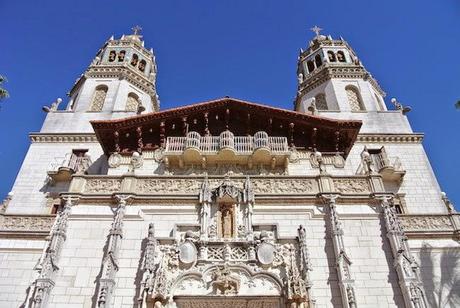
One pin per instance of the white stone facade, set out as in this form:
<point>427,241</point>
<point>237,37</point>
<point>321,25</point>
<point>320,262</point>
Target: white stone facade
<point>139,230</point>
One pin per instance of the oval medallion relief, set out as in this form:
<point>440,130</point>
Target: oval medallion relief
<point>266,253</point>
<point>187,253</point>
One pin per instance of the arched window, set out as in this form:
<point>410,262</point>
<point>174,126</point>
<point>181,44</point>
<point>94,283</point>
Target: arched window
<point>134,60</point>
<point>142,65</point>
<point>112,55</point>
<point>320,101</point>
<point>132,103</point>
<point>331,56</point>
<point>310,66</point>
<point>354,98</point>
<point>121,56</point>
<point>318,61</point>
<point>98,98</point>
<point>341,56</point>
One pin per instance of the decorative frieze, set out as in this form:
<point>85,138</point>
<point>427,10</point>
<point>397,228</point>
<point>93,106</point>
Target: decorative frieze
<point>32,223</point>
<point>104,186</point>
<point>175,185</point>
<point>427,223</point>
<point>351,185</point>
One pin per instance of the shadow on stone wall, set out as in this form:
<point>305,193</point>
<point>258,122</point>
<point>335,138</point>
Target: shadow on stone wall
<point>440,273</point>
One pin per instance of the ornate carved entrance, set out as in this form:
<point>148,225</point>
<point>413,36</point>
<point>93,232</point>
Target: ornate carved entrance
<point>227,261</point>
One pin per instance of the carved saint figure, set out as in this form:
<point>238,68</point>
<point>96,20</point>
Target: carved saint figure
<point>225,221</point>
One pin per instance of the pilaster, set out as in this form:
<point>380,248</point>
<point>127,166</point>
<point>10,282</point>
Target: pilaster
<point>48,265</point>
<point>404,263</point>
<point>110,266</point>
<point>343,262</point>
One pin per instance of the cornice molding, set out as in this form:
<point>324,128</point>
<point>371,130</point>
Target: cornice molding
<point>37,137</point>
<point>390,138</point>
<point>62,137</point>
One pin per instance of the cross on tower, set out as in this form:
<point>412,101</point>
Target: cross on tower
<point>316,29</point>
<point>136,30</point>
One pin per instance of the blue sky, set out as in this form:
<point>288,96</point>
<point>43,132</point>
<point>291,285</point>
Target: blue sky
<point>245,49</point>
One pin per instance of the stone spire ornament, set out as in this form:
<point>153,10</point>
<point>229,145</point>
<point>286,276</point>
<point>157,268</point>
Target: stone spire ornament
<point>316,30</point>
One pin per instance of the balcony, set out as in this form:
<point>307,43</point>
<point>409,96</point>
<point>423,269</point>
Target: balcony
<point>63,168</point>
<point>390,168</point>
<point>227,148</point>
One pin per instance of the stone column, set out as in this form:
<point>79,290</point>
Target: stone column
<point>404,263</point>
<point>149,266</point>
<point>49,261</point>
<point>305,263</point>
<point>110,261</point>
<point>343,262</point>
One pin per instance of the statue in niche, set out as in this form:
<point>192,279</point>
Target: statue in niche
<point>225,221</point>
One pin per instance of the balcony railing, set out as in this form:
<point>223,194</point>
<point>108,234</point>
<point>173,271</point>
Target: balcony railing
<point>242,145</point>
<point>63,167</point>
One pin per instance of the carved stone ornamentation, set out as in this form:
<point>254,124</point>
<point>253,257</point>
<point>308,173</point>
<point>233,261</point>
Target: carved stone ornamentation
<point>105,186</point>
<point>426,223</point>
<point>343,262</point>
<point>115,160</point>
<point>405,265</point>
<point>225,282</point>
<point>26,223</point>
<point>48,264</point>
<point>351,186</point>
<point>110,262</point>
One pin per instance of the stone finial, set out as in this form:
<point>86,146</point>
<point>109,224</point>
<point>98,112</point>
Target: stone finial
<point>54,106</point>
<point>399,106</point>
<point>449,205</point>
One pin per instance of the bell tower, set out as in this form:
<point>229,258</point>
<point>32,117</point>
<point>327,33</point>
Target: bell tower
<point>332,78</point>
<point>119,82</point>
<point>121,78</point>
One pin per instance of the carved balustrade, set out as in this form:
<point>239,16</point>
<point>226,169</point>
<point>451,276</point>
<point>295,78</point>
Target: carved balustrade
<point>62,168</point>
<point>227,148</point>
